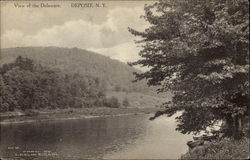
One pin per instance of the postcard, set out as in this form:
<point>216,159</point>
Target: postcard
<point>124,79</point>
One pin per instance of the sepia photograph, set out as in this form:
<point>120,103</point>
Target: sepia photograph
<point>124,79</point>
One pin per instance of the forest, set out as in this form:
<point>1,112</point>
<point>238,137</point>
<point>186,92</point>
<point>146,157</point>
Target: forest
<point>25,85</point>
<point>116,75</point>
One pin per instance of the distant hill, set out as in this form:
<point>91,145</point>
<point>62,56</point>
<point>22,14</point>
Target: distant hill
<point>117,75</point>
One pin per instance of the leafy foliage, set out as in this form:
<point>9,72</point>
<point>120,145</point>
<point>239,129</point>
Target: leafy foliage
<point>199,50</point>
<point>25,86</point>
<point>113,74</point>
<point>112,102</point>
<point>125,102</point>
<point>224,149</point>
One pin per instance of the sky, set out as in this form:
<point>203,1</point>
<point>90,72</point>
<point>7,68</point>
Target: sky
<point>100,29</point>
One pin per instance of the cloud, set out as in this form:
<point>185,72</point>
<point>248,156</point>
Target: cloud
<point>109,37</point>
<point>126,52</point>
<point>77,33</point>
<point>122,17</point>
<point>12,38</point>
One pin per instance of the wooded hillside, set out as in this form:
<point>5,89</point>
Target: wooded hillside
<point>116,75</point>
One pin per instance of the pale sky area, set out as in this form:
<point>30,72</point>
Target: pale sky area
<point>103,30</point>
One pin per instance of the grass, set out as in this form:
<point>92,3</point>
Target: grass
<point>139,103</point>
<point>140,100</point>
<point>223,149</point>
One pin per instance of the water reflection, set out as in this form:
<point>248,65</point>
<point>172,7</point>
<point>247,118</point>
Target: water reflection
<point>160,140</point>
<point>121,137</point>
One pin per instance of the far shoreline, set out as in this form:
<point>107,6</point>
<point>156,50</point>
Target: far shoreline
<point>32,116</point>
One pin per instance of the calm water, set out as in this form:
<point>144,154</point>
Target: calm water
<point>124,137</point>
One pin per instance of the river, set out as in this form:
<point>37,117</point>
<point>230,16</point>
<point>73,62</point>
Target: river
<point>118,137</point>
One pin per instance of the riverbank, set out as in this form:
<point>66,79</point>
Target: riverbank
<point>221,149</point>
<point>69,113</point>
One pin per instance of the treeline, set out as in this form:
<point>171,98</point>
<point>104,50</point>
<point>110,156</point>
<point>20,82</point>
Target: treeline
<point>25,85</point>
<point>117,76</point>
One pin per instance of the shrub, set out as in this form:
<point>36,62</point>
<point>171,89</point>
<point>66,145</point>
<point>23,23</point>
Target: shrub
<point>125,102</point>
<point>4,107</point>
<point>30,113</point>
<point>224,149</point>
<point>112,102</point>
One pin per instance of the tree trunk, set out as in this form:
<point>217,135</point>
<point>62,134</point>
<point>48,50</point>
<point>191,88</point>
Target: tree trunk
<point>238,128</point>
<point>229,127</point>
<point>235,126</point>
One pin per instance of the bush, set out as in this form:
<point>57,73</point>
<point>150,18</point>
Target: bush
<point>125,102</point>
<point>30,113</point>
<point>4,107</point>
<point>112,102</point>
<point>117,88</point>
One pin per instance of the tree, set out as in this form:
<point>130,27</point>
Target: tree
<point>3,106</point>
<point>117,88</point>
<point>125,102</point>
<point>199,50</point>
<point>112,102</point>
<point>26,85</point>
